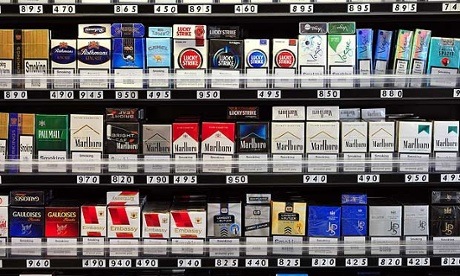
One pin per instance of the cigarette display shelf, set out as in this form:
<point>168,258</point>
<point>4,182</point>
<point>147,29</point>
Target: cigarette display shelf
<point>241,9</point>
<point>285,257</point>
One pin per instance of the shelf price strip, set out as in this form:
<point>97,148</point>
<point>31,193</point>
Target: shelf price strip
<point>146,263</point>
<point>93,263</point>
<point>391,94</point>
<point>256,263</point>
<point>122,179</point>
<point>246,9</point>
<point>88,179</point>
<point>199,9</point>
<point>30,9</point>
<point>185,179</point>
<point>15,95</point>
<point>456,93</point>
<point>61,95</point>
<point>63,9</point>
<point>189,263</point>
<point>91,95</point>
<point>390,261</point>
<point>323,262</point>
<point>404,7</point>
<point>125,9</point>
<point>165,9</point>
<point>158,95</point>
<point>359,8</point>
<point>41,263</point>
<point>450,7</point>
<point>356,262</point>
<point>126,95</point>
<point>269,94</point>
<point>455,177</point>
<point>418,261</point>
<point>368,178</point>
<point>328,94</point>
<point>446,261</point>
<point>208,95</point>
<point>226,263</point>
<point>288,262</point>
<point>301,8</point>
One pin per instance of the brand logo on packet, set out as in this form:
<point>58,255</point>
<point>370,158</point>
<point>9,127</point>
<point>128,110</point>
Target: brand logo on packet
<point>190,59</point>
<point>94,30</point>
<point>285,59</point>
<point>226,57</point>
<point>93,53</point>
<point>63,53</point>
<point>256,59</point>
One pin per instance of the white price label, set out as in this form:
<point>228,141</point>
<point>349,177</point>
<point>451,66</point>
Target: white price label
<point>157,179</point>
<point>356,262</point>
<point>451,7</point>
<point>126,95</point>
<point>125,9</point>
<point>189,263</point>
<point>93,263</point>
<point>63,9</point>
<point>418,261</point>
<point>61,95</point>
<point>185,179</point>
<point>455,177</point>
<point>158,95</point>
<point>301,8</point>
<point>45,263</point>
<point>288,262</point>
<point>390,261</point>
<point>237,179</point>
<point>119,263</point>
<point>165,9</point>
<point>323,262</point>
<point>456,93</point>
<point>88,179</point>
<point>391,94</point>
<point>256,263</point>
<point>416,178</point>
<point>208,95</point>
<point>15,95</point>
<point>122,179</point>
<point>269,94</point>
<point>91,95</point>
<point>314,178</point>
<point>30,9</point>
<point>368,178</point>
<point>404,7</point>
<point>226,263</point>
<point>328,94</point>
<point>359,8</point>
<point>450,261</point>
<point>246,8</point>
<point>146,263</point>
<point>199,9</point>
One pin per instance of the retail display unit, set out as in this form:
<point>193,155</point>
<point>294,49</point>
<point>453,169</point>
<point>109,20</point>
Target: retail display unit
<point>229,137</point>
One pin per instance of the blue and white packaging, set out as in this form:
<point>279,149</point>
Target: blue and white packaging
<point>354,199</point>
<point>128,30</point>
<point>354,220</point>
<point>128,60</point>
<point>324,221</point>
<point>382,52</point>
<point>63,54</point>
<point>364,39</point>
<point>257,62</point>
<point>444,60</point>
<point>159,56</point>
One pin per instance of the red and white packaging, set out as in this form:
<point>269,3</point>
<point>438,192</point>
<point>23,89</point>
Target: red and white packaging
<point>190,54</point>
<point>218,138</point>
<point>185,31</point>
<point>155,223</point>
<point>4,200</point>
<point>185,138</point>
<point>123,198</point>
<point>93,221</point>
<point>285,61</point>
<point>124,222</point>
<point>188,224</point>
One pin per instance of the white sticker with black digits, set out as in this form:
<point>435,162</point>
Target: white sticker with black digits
<point>456,93</point>
<point>448,261</point>
<point>416,178</point>
<point>391,94</point>
<point>188,263</point>
<point>323,262</point>
<point>199,9</point>
<point>269,94</point>
<point>125,9</point>
<point>404,7</point>
<point>236,179</point>
<point>119,263</point>
<point>282,262</point>
<point>165,9</point>
<point>359,8</point>
<point>247,8</point>
<point>356,262</point>
<point>41,263</point>
<point>91,95</point>
<point>256,263</point>
<point>451,7</point>
<point>226,263</point>
<point>301,8</point>
<point>61,95</point>
<point>208,95</point>
<point>368,178</point>
<point>88,179</point>
<point>453,177</point>
<point>63,9</point>
<point>157,179</point>
<point>30,9</point>
<point>15,95</point>
<point>147,263</point>
<point>328,94</point>
<point>126,95</point>
<point>390,261</point>
<point>93,263</point>
<point>185,179</point>
<point>122,179</point>
<point>314,178</point>
<point>418,261</point>
<point>158,95</point>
